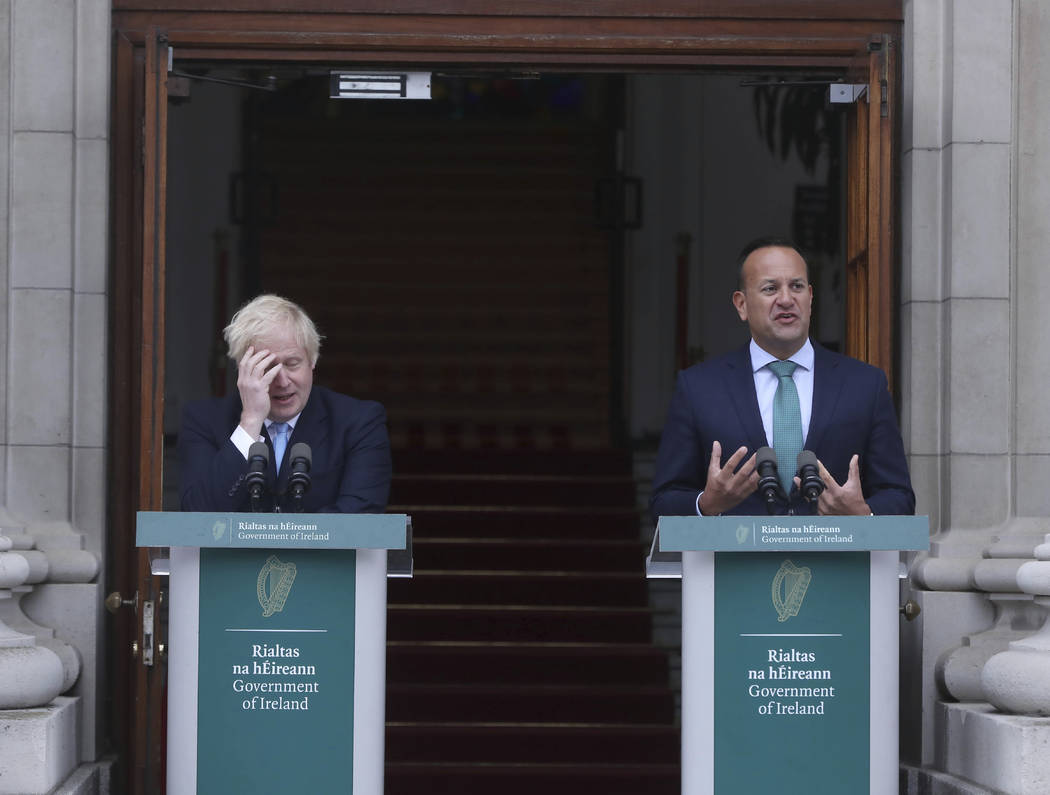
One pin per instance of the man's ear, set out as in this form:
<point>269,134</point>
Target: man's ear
<point>741,305</point>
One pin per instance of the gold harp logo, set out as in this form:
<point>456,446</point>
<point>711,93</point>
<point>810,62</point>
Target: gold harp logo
<point>218,530</point>
<point>742,532</point>
<point>273,585</point>
<point>790,584</point>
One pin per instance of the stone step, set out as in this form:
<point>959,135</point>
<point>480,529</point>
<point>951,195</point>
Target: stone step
<point>516,462</point>
<point>483,778</point>
<point>525,623</point>
<point>529,554</point>
<point>469,490</point>
<point>520,521</point>
<point>479,663</point>
<point>535,703</point>
<point>507,742</point>
<point>472,587</point>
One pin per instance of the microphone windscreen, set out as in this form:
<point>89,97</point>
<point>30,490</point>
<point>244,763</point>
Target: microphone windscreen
<point>259,450</point>
<point>807,458</point>
<point>301,451</point>
<point>766,455</point>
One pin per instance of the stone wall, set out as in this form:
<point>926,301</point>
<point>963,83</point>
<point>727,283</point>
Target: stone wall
<point>974,200</point>
<point>54,127</point>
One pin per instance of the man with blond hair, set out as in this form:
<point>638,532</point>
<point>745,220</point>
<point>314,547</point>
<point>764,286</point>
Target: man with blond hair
<point>276,346</point>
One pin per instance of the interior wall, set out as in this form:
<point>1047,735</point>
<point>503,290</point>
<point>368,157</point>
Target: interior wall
<point>204,151</point>
<point>709,173</point>
<point>663,150</point>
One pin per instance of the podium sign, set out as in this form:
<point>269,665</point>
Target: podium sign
<point>789,649</point>
<point>277,653</point>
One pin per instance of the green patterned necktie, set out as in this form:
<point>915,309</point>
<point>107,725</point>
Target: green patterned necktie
<point>787,423</point>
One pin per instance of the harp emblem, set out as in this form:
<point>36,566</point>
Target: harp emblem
<point>274,584</point>
<point>790,584</point>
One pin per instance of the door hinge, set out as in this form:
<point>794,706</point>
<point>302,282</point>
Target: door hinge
<point>884,77</point>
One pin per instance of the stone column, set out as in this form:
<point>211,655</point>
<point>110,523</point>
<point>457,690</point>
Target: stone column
<point>956,288</point>
<point>975,276</point>
<point>39,728</point>
<point>54,119</point>
<point>1018,680</point>
<point>31,675</point>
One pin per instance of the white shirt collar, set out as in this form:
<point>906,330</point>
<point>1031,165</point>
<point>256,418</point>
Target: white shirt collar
<point>803,357</point>
<point>291,423</point>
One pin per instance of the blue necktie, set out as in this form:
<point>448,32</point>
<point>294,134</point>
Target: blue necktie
<point>280,441</point>
<point>787,423</point>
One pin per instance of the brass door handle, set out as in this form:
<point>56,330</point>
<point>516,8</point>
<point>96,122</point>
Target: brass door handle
<point>910,610</point>
<point>115,601</point>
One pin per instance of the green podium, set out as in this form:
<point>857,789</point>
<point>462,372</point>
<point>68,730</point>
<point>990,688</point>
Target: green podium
<point>789,649</point>
<point>277,648</point>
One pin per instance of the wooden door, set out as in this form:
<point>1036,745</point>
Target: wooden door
<point>871,212</point>
<point>136,406</point>
<point>603,36</point>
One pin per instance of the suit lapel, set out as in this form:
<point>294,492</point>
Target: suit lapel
<point>741,382</point>
<point>827,389</point>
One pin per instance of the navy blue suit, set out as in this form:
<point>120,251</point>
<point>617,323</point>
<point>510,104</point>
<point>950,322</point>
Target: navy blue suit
<point>852,414</point>
<point>350,471</point>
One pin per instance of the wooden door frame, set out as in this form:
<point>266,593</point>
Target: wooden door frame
<point>872,244</point>
<point>598,35</point>
<point>135,411</point>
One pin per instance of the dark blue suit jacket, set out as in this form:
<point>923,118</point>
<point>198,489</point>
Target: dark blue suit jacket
<point>350,471</point>
<point>852,413</point>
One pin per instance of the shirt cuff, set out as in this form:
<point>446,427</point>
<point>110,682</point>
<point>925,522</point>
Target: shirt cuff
<point>243,440</point>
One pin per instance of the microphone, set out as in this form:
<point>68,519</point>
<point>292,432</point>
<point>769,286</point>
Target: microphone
<point>299,479</point>
<point>810,483</point>
<point>258,463</point>
<point>768,479</point>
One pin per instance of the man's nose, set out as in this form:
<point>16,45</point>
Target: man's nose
<point>281,379</point>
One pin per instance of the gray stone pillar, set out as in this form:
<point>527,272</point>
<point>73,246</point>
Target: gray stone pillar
<point>975,370</point>
<point>54,122</point>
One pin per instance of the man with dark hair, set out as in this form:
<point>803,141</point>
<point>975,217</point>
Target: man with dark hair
<point>276,347</point>
<point>785,392</point>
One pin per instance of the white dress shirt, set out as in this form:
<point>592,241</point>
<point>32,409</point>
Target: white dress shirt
<point>766,389</point>
<point>766,385</point>
<point>243,440</point>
